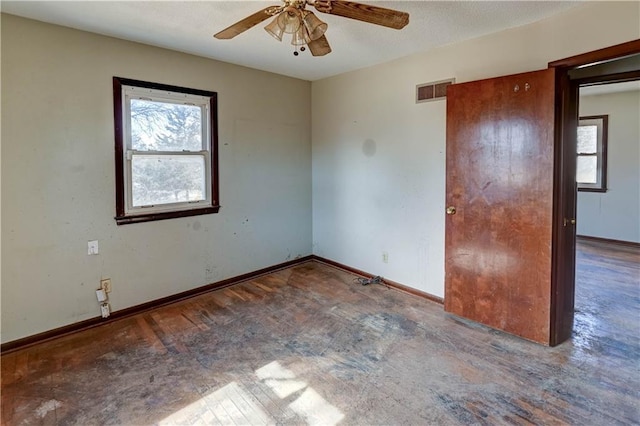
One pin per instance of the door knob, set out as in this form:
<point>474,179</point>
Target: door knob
<point>451,210</point>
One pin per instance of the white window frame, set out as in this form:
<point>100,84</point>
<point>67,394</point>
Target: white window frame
<point>132,92</point>
<point>124,92</point>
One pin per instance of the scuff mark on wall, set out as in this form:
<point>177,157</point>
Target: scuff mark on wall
<point>369,148</point>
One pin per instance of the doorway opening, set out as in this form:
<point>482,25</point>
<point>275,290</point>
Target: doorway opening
<point>608,157</point>
<point>608,215</point>
<point>600,70</point>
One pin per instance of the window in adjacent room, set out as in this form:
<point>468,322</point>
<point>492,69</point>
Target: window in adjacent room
<point>591,172</point>
<point>166,151</point>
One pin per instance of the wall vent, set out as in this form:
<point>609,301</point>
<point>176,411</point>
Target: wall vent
<point>433,91</point>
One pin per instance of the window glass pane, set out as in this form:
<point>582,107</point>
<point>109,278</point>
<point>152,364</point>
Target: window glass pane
<point>162,126</point>
<point>587,169</point>
<point>587,139</point>
<point>163,179</point>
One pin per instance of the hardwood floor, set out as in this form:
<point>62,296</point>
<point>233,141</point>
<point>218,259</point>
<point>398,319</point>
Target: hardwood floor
<point>307,345</point>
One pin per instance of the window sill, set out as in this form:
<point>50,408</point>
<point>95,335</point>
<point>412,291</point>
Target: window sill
<point>592,189</point>
<point>125,220</point>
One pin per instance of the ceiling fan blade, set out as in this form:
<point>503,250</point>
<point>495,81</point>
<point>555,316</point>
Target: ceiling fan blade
<point>319,47</point>
<point>364,12</point>
<point>244,24</point>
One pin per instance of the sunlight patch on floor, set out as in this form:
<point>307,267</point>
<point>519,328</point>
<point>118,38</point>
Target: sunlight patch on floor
<point>310,404</point>
<point>228,405</point>
<point>232,405</point>
<point>315,409</point>
<point>280,380</point>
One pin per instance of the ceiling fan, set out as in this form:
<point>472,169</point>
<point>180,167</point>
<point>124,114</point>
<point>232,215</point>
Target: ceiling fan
<point>292,17</point>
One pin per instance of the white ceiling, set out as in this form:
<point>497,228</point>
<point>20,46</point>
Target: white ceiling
<point>603,89</point>
<point>189,27</point>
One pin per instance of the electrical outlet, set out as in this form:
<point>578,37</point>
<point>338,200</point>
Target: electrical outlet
<point>105,310</point>
<point>385,257</point>
<point>105,284</point>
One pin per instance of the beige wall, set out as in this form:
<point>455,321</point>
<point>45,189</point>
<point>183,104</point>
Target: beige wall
<point>378,164</point>
<point>615,214</point>
<point>379,158</point>
<point>58,177</point>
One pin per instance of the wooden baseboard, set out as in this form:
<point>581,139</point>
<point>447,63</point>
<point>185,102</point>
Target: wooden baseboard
<point>24,342</point>
<point>607,240</point>
<point>397,286</point>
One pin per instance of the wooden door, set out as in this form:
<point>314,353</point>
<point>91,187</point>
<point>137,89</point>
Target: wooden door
<point>500,181</point>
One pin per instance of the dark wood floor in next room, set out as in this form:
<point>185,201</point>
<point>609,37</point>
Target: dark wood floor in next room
<point>307,345</point>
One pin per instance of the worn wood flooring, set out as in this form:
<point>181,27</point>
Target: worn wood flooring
<point>307,345</point>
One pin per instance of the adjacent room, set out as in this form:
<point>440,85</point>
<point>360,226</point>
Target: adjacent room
<point>410,212</point>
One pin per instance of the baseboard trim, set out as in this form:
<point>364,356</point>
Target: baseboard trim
<point>396,286</point>
<point>25,342</point>
<point>608,240</point>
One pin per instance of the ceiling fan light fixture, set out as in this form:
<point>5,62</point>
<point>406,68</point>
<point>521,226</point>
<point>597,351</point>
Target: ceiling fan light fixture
<point>275,29</point>
<point>290,20</point>
<point>292,17</point>
<point>300,37</point>
<point>315,27</point>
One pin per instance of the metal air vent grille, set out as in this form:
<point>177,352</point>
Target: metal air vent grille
<point>432,91</point>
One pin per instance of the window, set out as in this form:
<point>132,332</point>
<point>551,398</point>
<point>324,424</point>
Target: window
<point>591,171</point>
<point>166,144</point>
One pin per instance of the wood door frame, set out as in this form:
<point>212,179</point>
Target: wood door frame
<point>563,291</point>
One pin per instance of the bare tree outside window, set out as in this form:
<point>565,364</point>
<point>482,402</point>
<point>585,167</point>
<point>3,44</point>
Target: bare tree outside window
<point>159,126</point>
